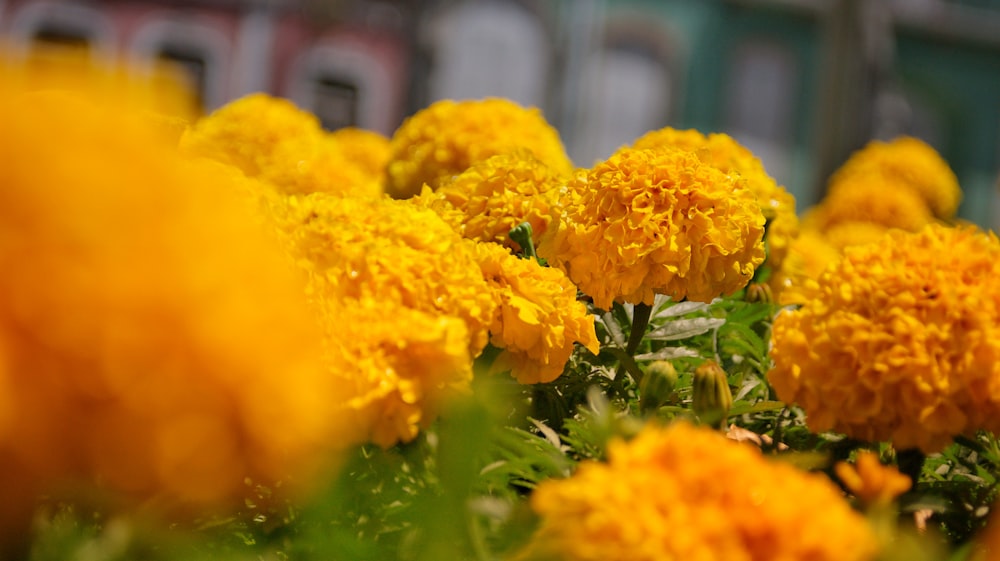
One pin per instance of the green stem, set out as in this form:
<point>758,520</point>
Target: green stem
<point>911,463</point>
<point>628,362</point>
<point>522,235</point>
<point>640,321</point>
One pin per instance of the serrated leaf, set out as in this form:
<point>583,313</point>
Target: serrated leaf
<point>759,407</point>
<point>668,353</point>
<point>684,328</point>
<point>549,434</point>
<point>669,310</point>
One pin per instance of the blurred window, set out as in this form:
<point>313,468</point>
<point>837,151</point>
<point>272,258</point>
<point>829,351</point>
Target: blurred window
<point>761,103</point>
<point>345,83</point>
<point>199,52</point>
<point>489,49</point>
<point>626,93</point>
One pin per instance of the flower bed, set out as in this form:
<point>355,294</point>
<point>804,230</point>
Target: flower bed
<point>239,336</point>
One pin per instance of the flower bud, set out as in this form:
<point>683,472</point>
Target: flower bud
<point>759,292</point>
<point>711,395</point>
<point>657,385</point>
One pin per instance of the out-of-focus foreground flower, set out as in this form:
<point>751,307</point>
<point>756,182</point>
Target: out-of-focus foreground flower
<point>873,483</point>
<point>649,222</point>
<point>152,338</point>
<point>683,492</point>
<point>447,137</point>
<point>899,342</point>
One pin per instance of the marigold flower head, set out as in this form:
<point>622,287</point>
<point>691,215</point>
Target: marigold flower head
<point>649,222</point>
<point>538,318</point>
<point>496,194</point>
<point>722,151</point>
<point>910,162</point>
<point>390,251</point>
<point>368,150</point>
<point>152,337</point>
<point>809,255</point>
<point>847,234</point>
<point>272,140</point>
<point>683,492</point>
<point>447,137</point>
<point>399,364</point>
<point>871,198</point>
<point>899,342</point>
<point>871,482</point>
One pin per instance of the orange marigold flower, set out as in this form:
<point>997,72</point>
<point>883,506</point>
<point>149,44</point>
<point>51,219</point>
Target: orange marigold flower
<point>910,162</point>
<point>683,492</point>
<point>387,250</point>
<point>722,151</point>
<point>808,256</point>
<point>538,318</point>
<point>400,365</point>
<point>152,338</point>
<point>900,341</point>
<point>496,194</point>
<point>368,150</point>
<point>870,198</point>
<point>848,234</point>
<point>649,222</point>
<point>870,481</point>
<point>447,137</point>
<point>272,140</point>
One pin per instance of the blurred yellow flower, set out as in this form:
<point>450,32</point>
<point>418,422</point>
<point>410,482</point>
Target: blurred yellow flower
<point>447,137</point>
<point>368,150</point>
<point>871,482</point>
<point>153,339</point>
<point>848,234</point>
<point>876,199</point>
<point>900,341</point>
<point>809,255</point>
<point>538,318</point>
<point>390,251</point>
<point>683,492</point>
<point>907,161</point>
<point>272,140</point>
<point>723,152</point>
<point>496,194</point>
<point>649,222</point>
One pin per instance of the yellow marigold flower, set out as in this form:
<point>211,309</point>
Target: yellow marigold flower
<point>368,150</point>
<point>870,481</point>
<point>447,137</point>
<point>847,234</point>
<point>910,162</point>
<point>683,492</point>
<point>871,198</point>
<point>152,337</point>
<point>272,140</point>
<point>900,341</point>
<point>722,151</point>
<point>317,164</point>
<point>649,222</point>
<point>245,132</point>
<point>390,251</point>
<point>538,318</point>
<point>400,364</point>
<point>809,255</point>
<point>496,194</point>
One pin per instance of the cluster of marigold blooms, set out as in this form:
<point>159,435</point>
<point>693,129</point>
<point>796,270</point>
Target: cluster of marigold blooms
<point>189,301</point>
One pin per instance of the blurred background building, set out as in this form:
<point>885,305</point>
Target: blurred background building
<point>802,83</point>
